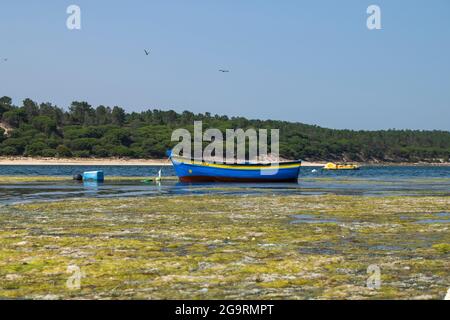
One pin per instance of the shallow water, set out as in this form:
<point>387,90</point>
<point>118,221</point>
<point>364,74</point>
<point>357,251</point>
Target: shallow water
<point>367,172</point>
<point>373,181</point>
<point>441,217</point>
<point>428,221</point>
<point>312,219</point>
<point>51,170</point>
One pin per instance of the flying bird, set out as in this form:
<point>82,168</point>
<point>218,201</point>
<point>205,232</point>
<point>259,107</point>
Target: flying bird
<point>146,52</point>
<point>224,71</point>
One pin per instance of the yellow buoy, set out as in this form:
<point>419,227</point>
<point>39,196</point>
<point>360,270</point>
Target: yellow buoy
<point>334,166</point>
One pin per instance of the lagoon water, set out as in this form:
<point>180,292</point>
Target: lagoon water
<point>370,181</point>
<point>367,172</point>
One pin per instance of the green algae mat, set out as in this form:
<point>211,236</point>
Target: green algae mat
<point>227,247</point>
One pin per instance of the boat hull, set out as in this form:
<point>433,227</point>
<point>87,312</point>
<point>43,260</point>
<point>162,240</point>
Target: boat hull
<point>189,171</point>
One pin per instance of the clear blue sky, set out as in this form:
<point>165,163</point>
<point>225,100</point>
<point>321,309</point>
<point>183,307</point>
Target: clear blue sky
<point>308,61</point>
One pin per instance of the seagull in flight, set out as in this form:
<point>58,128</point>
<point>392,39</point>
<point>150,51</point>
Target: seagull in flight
<point>146,52</point>
<point>224,71</point>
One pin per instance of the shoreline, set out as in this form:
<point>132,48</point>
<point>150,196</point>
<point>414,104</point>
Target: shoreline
<point>24,161</point>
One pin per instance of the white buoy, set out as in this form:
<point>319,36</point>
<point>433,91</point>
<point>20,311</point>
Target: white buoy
<point>158,178</point>
<point>313,170</point>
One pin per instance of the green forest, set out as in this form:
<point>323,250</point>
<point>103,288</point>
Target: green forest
<point>81,130</point>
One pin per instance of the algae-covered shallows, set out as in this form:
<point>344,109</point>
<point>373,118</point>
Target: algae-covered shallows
<point>225,247</point>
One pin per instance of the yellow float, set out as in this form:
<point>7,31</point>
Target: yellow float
<point>334,166</point>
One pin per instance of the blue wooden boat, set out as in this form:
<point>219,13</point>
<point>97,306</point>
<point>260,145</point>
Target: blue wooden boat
<point>191,170</point>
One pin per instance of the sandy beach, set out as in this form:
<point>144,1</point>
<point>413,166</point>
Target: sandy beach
<point>24,161</point>
<point>30,161</point>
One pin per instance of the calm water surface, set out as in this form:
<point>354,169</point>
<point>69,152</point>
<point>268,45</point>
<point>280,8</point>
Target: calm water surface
<point>372,181</point>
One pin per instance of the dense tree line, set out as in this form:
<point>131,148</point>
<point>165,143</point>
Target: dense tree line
<point>84,131</point>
